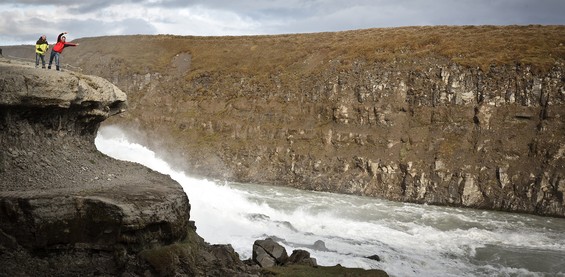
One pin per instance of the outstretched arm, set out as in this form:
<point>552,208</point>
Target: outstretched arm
<point>70,44</point>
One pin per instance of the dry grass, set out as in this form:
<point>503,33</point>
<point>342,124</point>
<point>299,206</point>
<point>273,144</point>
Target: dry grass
<point>473,46</point>
<point>302,54</point>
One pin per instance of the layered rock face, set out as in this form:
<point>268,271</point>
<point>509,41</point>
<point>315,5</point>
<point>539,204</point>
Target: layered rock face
<point>65,208</point>
<point>438,133</point>
<point>441,134</point>
<point>451,135</point>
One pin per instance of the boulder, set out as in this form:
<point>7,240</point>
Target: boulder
<point>268,253</point>
<point>302,257</point>
<point>320,245</point>
<point>374,258</point>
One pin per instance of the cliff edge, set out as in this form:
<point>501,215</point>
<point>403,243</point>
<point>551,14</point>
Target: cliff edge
<point>65,208</point>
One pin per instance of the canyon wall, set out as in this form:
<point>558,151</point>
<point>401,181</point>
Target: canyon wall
<point>443,134</point>
<point>461,116</point>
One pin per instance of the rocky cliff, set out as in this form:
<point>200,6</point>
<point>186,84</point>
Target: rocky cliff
<point>68,210</point>
<point>442,134</point>
<point>468,116</point>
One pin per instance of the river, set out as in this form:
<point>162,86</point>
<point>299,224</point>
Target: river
<point>410,239</point>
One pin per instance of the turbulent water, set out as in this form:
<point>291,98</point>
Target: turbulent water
<point>410,239</point>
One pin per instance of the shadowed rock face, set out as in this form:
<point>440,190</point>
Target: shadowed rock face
<point>65,208</point>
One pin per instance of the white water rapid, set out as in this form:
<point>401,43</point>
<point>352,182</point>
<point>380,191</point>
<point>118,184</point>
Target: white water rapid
<point>410,239</point>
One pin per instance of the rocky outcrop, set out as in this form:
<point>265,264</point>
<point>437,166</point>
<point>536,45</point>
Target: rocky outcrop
<point>68,210</point>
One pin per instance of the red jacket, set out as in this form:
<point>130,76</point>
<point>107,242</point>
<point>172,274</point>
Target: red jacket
<point>60,45</point>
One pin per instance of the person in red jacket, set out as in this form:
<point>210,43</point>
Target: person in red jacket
<point>58,49</point>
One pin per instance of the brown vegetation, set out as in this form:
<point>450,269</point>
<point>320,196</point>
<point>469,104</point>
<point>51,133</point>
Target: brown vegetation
<point>473,46</point>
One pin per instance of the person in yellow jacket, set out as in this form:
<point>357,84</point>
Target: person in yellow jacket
<point>41,47</point>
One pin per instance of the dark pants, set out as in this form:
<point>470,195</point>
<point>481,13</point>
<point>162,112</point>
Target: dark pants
<point>42,57</point>
<point>54,55</point>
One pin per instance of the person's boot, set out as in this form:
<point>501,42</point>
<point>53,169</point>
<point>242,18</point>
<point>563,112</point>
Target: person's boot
<point>49,67</point>
<point>57,68</point>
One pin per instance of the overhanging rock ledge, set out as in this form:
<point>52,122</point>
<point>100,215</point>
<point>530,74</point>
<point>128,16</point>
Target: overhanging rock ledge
<point>66,208</point>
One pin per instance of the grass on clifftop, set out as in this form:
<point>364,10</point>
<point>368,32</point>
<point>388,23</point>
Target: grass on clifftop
<point>473,46</point>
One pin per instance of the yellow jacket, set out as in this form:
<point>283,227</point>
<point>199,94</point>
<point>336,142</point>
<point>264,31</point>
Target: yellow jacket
<point>41,48</point>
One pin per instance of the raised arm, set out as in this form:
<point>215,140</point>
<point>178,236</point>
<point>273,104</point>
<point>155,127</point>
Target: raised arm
<point>60,35</point>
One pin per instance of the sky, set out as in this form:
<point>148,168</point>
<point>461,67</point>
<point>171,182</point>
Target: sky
<point>24,21</point>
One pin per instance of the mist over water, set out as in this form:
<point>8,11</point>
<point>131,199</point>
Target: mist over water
<point>410,239</point>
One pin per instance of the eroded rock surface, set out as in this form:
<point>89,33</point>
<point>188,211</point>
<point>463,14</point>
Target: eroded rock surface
<point>65,208</point>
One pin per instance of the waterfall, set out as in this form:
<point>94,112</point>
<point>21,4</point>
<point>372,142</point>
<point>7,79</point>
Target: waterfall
<point>410,239</point>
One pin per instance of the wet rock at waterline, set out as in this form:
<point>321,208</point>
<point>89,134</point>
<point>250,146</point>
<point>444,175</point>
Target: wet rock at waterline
<point>300,256</point>
<point>268,253</point>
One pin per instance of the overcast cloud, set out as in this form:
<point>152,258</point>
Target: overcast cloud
<point>23,21</point>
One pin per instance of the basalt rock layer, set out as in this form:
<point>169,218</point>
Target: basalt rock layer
<point>444,134</point>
